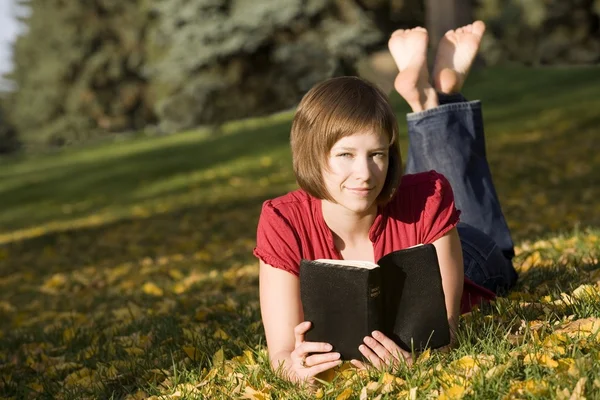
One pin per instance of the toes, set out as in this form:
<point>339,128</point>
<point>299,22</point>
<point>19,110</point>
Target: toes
<point>398,32</point>
<point>478,28</point>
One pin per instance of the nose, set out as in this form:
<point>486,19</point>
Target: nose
<point>363,168</point>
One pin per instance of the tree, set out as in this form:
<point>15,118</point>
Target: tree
<point>77,69</point>
<point>9,141</point>
<point>443,15</point>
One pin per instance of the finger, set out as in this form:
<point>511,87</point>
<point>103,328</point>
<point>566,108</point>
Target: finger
<point>396,351</point>
<point>317,369</point>
<point>358,364</point>
<point>313,347</point>
<point>317,359</point>
<point>300,330</point>
<point>378,348</point>
<point>370,355</point>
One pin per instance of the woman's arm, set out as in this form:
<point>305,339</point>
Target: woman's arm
<point>282,317</point>
<point>450,258</point>
<point>281,311</point>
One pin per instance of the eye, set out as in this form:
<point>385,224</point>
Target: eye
<point>345,155</point>
<point>379,154</point>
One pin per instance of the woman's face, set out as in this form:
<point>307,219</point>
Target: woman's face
<point>358,166</point>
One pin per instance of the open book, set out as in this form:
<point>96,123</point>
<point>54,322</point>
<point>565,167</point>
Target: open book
<point>401,296</point>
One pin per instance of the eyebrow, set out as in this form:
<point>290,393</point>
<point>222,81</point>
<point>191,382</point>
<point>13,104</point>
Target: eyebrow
<point>353,148</point>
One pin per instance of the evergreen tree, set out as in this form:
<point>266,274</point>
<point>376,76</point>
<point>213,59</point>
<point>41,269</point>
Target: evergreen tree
<point>77,70</point>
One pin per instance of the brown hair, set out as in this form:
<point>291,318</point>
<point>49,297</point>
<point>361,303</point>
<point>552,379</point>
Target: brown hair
<point>334,109</point>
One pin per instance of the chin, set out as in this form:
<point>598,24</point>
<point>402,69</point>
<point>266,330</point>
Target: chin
<point>359,207</point>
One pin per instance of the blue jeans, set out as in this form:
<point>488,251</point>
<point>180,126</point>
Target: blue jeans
<point>450,140</point>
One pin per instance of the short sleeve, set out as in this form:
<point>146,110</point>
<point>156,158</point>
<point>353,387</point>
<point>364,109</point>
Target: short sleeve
<point>277,242</point>
<point>440,214</point>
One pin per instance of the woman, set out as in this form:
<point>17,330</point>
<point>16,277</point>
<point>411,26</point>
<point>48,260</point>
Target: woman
<point>354,202</point>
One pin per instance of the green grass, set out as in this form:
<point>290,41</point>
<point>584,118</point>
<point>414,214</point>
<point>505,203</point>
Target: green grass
<point>126,268</point>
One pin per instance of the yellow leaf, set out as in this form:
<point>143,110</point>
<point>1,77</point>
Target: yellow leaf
<point>413,393</point>
<point>249,357</point>
<point>426,355</point>
<point>68,335</point>
<point>541,359</point>
<point>496,371</point>
<point>452,393</point>
<point>373,387</point>
<point>6,307</point>
<point>192,352</point>
<point>175,274</point>
<point>253,394</point>
<point>152,290</point>
<point>35,386</point>
<point>134,351</point>
<point>579,389</point>
<point>520,389</point>
<point>532,260</point>
<point>89,352</point>
<point>585,292</point>
<point>388,378</point>
<point>319,393</point>
<point>139,395</point>
<point>581,327</point>
<point>345,394</point>
<point>111,372</point>
<point>84,378</point>
<point>220,334</point>
<point>179,288</point>
<point>562,394</point>
<point>64,366</point>
<point>363,394</point>
<point>547,361</point>
<point>219,357</point>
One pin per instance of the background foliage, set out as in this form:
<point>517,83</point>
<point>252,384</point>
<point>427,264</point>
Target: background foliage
<point>87,69</point>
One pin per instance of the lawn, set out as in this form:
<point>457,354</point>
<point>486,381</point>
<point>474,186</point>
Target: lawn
<point>126,269</point>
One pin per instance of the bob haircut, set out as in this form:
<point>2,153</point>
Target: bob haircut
<point>331,110</point>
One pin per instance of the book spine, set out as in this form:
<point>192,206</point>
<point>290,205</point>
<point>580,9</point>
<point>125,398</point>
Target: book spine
<point>374,301</point>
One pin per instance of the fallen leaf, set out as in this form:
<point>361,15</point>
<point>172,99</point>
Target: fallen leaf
<point>345,394</point>
<point>151,289</point>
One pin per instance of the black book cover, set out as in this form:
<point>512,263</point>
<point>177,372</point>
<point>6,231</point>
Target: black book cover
<point>403,298</point>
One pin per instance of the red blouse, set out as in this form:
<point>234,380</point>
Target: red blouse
<point>291,227</point>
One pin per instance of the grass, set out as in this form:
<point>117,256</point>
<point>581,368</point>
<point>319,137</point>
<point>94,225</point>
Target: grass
<point>126,268</point>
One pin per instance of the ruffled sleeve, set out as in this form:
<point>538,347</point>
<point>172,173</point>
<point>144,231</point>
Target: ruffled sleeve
<point>440,214</point>
<point>277,243</point>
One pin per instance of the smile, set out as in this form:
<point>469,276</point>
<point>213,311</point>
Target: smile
<point>360,191</point>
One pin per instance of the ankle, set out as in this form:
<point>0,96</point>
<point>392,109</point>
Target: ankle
<point>448,81</point>
<point>427,99</point>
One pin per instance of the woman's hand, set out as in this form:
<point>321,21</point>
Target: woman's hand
<point>311,358</point>
<point>382,352</point>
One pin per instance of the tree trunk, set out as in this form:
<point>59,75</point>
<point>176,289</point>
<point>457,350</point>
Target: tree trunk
<point>443,15</point>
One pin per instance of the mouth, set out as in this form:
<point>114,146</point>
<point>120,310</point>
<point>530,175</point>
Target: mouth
<point>360,191</point>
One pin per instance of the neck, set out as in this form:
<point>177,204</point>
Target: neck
<point>348,226</point>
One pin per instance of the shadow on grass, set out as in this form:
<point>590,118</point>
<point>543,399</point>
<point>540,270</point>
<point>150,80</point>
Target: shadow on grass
<point>114,181</point>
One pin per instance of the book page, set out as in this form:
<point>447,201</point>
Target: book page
<point>351,263</point>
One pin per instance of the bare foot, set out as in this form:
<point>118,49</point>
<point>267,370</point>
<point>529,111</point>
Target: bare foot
<point>409,50</point>
<point>455,56</point>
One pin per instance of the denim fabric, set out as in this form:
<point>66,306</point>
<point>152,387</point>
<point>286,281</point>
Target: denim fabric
<point>450,140</point>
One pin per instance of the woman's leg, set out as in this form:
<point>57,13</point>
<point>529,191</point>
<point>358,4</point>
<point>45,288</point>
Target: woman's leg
<point>446,134</point>
<point>450,140</point>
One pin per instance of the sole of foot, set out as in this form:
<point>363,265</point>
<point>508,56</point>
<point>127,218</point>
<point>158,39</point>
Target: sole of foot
<point>455,56</point>
<point>409,51</point>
